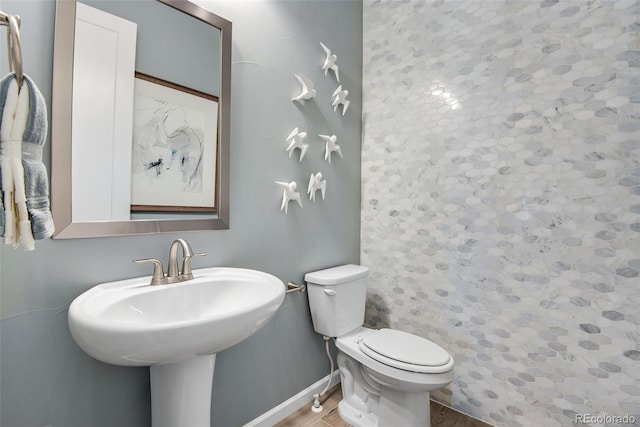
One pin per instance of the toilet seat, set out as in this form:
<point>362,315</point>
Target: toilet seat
<point>406,351</point>
<point>404,379</point>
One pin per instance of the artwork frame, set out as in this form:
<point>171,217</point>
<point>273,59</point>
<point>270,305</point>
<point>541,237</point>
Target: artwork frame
<point>175,148</point>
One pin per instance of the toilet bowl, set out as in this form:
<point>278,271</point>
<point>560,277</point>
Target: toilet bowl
<point>386,374</point>
<point>379,390</point>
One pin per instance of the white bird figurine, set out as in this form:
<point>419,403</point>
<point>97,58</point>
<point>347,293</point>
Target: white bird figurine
<point>340,97</point>
<point>330,146</point>
<point>316,183</point>
<point>307,91</point>
<point>296,140</point>
<point>289,193</point>
<point>330,62</point>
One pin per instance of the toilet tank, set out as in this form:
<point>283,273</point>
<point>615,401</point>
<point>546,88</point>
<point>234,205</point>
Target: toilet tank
<point>337,298</point>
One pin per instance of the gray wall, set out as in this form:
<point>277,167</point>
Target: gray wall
<point>192,45</point>
<point>47,380</point>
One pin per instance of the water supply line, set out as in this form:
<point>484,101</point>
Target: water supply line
<point>317,407</point>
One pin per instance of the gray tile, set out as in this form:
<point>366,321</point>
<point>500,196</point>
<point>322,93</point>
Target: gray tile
<point>537,165</point>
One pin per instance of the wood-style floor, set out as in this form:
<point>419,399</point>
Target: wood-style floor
<point>441,416</point>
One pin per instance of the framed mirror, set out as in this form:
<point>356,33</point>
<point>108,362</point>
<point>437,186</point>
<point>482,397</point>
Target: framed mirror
<point>140,118</point>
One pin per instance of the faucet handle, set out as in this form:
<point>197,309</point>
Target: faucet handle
<point>186,265</point>
<point>158,273</point>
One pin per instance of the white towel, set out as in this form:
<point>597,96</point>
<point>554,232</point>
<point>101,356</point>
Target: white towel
<point>14,122</point>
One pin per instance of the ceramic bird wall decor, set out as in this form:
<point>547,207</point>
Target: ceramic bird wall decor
<point>307,91</point>
<point>330,146</point>
<point>289,193</point>
<point>296,140</point>
<point>330,62</point>
<point>316,183</point>
<point>340,98</point>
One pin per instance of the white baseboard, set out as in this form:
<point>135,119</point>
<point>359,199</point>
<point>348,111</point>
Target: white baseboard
<point>294,403</point>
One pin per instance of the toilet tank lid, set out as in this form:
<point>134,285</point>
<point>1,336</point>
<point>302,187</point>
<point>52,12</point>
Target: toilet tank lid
<point>337,275</point>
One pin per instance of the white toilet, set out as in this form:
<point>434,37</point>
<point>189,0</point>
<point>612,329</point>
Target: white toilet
<point>386,374</point>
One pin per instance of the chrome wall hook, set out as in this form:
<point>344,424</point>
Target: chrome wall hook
<point>13,42</point>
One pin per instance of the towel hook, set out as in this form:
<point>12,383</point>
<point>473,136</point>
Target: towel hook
<point>13,41</point>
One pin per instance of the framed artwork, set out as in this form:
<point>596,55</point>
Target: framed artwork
<point>174,148</point>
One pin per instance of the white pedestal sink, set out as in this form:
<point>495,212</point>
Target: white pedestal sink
<point>175,329</point>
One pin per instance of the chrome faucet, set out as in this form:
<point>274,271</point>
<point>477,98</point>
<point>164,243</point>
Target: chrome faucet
<point>173,274</point>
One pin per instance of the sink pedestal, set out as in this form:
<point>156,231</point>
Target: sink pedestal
<point>181,393</point>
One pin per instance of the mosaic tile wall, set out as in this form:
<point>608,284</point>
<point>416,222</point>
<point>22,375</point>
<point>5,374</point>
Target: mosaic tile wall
<point>501,198</point>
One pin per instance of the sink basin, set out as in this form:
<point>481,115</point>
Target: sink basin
<point>131,323</point>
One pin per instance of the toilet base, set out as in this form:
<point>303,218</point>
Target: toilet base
<point>395,409</point>
<point>355,417</point>
<point>399,408</point>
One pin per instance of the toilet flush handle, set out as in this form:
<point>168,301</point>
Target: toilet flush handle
<point>330,292</point>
